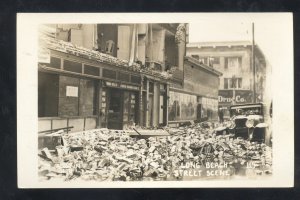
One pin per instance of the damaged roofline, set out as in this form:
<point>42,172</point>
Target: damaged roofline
<point>205,67</point>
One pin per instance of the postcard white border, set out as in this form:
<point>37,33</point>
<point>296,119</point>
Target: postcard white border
<point>282,84</point>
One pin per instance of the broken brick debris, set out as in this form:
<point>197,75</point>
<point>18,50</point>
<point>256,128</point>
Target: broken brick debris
<point>109,155</point>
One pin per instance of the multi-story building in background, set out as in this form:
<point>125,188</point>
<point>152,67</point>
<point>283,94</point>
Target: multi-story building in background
<point>234,60</point>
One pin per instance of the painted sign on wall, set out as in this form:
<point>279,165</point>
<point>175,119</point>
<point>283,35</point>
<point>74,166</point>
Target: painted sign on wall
<point>227,97</point>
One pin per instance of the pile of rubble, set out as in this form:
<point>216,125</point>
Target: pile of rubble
<point>104,154</point>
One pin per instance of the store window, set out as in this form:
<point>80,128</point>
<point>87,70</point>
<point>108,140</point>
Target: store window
<point>182,106</point>
<point>65,96</point>
<point>135,79</point>
<point>91,70</point>
<point>72,66</point>
<point>54,63</point>
<point>48,88</point>
<point>109,74</point>
<point>151,87</point>
<point>209,108</point>
<point>123,77</point>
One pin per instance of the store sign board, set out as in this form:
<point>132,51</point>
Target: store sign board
<point>243,96</point>
<point>225,96</point>
<point>71,91</point>
<point>240,97</point>
<point>120,85</point>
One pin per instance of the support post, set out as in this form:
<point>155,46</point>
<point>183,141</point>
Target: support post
<point>253,65</point>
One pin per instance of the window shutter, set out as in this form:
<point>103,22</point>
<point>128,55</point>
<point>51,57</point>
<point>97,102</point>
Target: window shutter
<point>226,63</point>
<point>123,42</point>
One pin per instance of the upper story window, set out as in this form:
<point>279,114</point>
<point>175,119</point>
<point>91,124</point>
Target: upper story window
<point>210,61</point>
<point>216,60</point>
<point>233,83</point>
<point>233,63</point>
<point>203,60</point>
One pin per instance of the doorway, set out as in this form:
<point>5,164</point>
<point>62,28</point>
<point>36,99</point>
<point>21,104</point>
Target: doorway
<point>122,109</point>
<point>114,111</point>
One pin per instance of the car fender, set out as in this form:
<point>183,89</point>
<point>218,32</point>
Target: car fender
<point>261,125</point>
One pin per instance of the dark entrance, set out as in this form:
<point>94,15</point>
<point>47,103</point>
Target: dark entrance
<point>48,93</point>
<point>122,109</point>
<point>114,112</point>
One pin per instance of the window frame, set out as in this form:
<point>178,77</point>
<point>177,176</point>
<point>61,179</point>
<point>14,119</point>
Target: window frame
<point>228,84</point>
<point>239,61</point>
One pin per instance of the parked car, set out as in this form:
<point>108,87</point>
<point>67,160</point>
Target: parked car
<point>250,122</point>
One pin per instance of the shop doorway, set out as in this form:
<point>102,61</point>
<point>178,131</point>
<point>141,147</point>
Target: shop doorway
<point>122,109</point>
<point>114,112</point>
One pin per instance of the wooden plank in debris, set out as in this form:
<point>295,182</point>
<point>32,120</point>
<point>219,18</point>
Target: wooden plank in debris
<point>159,132</point>
<point>131,132</point>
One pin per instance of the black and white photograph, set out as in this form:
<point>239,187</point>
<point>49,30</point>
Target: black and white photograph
<point>155,100</point>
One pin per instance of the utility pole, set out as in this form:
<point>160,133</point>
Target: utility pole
<point>253,65</point>
<point>233,82</point>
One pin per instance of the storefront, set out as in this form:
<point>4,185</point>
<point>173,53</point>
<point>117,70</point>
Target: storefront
<point>182,106</point>
<point>84,94</point>
<point>154,102</point>
<point>119,106</point>
<point>186,107</point>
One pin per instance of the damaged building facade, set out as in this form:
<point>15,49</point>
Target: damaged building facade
<point>107,75</point>
<point>234,60</point>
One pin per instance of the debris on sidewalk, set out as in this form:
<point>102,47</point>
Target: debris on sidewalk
<point>111,155</point>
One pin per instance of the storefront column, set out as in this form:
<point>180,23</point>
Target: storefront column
<point>98,103</point>
<point>141,117</point>
<point>147,104</point>
<point>167,97</point>
<point>156,107</point>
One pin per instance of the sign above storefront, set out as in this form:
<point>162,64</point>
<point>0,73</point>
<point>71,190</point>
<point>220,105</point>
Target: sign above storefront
<point>227,97</point>
<point>120,85</point>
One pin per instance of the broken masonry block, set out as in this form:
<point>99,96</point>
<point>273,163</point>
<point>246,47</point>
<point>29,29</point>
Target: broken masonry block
<point>47,153</point>
<point>76,148</point>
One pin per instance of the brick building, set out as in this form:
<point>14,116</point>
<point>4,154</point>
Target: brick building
<point>107,75</point>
